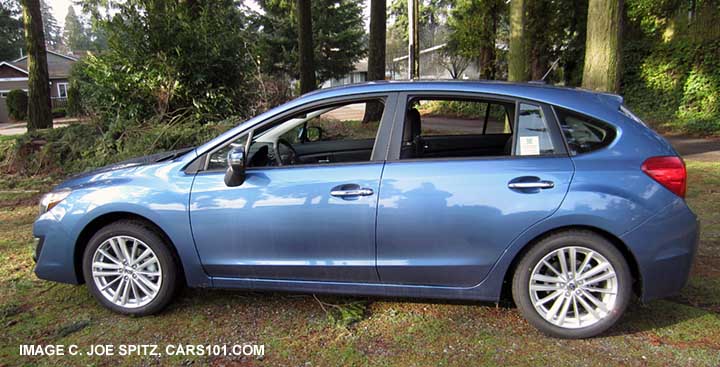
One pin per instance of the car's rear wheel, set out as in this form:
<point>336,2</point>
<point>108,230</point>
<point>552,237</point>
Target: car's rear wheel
<point>572,284</point>
<point>129,268</point>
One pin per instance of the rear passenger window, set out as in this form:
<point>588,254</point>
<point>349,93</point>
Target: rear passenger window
<point>533,135</point>
<point>498,120</point>
<point>451,117</point>
<point>449,127</point>
<point>584,134</point>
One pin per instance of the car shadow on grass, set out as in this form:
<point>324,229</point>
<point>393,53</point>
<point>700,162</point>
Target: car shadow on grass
<point>659,315</point>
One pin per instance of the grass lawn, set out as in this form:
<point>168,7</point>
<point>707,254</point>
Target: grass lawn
<point>297,331</point>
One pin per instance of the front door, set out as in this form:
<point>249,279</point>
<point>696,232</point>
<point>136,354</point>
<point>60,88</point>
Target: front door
<point>447,213</point>
<point>297,216</point>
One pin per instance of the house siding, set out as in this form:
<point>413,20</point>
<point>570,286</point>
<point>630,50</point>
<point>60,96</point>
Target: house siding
<point>58,66</point>
<point>8,72</point>
<point>15,84</point>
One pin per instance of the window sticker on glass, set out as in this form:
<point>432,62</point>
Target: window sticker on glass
<point>529,145</point>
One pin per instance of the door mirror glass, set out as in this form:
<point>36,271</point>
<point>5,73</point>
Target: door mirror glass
<point>235,174</point>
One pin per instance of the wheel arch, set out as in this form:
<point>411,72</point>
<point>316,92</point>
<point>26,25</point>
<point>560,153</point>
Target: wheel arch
<point>105,219</point>
<point>616,241</point>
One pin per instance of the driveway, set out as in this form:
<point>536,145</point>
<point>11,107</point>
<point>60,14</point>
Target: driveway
<point>698,149</point>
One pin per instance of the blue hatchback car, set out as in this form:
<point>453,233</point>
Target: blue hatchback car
<point>454,190</point>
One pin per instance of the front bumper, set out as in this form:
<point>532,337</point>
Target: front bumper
<point>55,252</point>
<point>664,247</point>
<point>39,241</point>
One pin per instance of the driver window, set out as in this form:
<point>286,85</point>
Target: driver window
<point>341,133</point>
<point>356,121</point>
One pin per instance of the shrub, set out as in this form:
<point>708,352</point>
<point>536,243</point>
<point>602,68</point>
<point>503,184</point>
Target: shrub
<point>59,112</point>
<point>196,59</point>
<point>671,72</point>
<point>81,147</point>
<point>74,100</point>
<point>17,103</point>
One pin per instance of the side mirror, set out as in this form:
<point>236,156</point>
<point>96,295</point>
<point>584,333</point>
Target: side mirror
<point>235,174</point>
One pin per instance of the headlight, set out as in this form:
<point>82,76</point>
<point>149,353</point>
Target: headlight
<point>49,200</point>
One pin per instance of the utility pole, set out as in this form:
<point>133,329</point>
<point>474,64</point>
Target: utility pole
<point>413,40</point>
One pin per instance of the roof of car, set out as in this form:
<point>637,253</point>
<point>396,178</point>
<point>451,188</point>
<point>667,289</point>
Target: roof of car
<point>572,98</point>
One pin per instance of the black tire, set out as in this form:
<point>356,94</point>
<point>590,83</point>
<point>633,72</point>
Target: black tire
<point>151,238</point>
<point>582,238</point>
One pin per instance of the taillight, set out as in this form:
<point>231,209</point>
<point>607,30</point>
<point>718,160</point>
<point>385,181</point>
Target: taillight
<point>669,172</point>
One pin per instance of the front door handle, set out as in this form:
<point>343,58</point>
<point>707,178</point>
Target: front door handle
<point>532,185</point>
<point>348,190</point>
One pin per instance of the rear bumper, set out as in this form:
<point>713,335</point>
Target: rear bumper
<point>664,247</point>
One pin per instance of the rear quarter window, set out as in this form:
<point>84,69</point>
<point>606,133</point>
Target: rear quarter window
<point>584,134</point>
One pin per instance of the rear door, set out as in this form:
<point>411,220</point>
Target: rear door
<point>445,220</point>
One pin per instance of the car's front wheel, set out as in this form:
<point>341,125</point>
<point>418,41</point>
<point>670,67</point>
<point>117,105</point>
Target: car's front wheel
<point>129,268</point>
<point>572,284</point>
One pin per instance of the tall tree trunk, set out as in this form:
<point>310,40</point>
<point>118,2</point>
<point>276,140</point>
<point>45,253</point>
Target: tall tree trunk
<point>538,63</point>
<point>602,45</point>
<point>39,110</point>
<point>487,50</point>
<point>376,54</point>
<point>305,45</point>
<point>487,62</point>
<point>518,58</point>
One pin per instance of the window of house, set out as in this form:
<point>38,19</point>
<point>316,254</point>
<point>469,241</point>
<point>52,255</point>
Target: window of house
<point>584,134</point>
<point>341,133</point>
<point>449,127</point>
<point>533,134</point>
<point>62,90</point>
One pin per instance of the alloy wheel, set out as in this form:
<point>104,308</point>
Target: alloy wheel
<point>573,287</point>
<point>126,271</point>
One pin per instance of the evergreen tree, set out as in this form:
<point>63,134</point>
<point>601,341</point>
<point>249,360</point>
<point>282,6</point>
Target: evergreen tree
<point>11,30</point>
<point>432,22</point>
<point>39,113</point>
<point>53,36</point>
<point>474,27</point>
<point>556,29</point>
<point>338,37</point>
<point>74,35</point>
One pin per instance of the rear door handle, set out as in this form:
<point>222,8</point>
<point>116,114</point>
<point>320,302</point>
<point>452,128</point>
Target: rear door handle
<point>348,190</point>
<point>532,185</point>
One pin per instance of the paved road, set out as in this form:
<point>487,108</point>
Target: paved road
<point>706,150</point>
<point>17,128</point>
